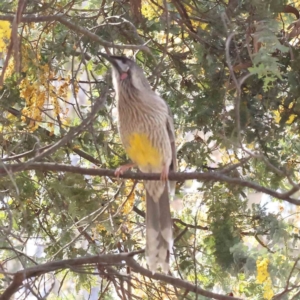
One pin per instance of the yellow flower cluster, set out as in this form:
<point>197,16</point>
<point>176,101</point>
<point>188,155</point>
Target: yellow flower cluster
<point>35,97</point>
<point>281,110</point>
<point>10,70</point>
<point>96,230</point>
<point>150,11</point>
<point>192,12</point>
<point>5,32</point>
<point>153,11</point>
<point>263,277</point>
<point>37,88</point>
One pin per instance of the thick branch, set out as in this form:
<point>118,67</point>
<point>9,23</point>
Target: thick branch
<point>104,260</point>
<point>205,176</point>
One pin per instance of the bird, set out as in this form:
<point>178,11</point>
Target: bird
<point>146,129</point>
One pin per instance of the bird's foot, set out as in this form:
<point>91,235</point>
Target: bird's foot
<point>119,171</point>
<point>164,174</point>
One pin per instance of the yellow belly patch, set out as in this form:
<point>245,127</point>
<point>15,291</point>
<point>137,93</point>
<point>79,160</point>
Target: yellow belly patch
<point>141,151</point>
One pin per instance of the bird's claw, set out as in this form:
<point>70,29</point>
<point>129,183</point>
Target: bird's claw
<point>120,170</point>
<point>164,176</point>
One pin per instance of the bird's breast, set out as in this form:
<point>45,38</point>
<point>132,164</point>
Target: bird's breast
<point>140,149</point>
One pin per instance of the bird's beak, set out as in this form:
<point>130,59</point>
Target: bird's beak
<point>117,63</point>
<point>110,59</point>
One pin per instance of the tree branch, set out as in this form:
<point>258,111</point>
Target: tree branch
<point>107,259</point>
<point>76,28</point>
<point>99,103</point>
<point>204,177</point>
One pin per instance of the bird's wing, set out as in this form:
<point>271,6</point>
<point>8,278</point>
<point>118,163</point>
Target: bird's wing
<point>171,133</point>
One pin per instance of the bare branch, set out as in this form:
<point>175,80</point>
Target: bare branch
<point>179,283</point>
<point>104,260</point>
<point>99,103</point>
<point>61,18</point>
<point>204,177</point>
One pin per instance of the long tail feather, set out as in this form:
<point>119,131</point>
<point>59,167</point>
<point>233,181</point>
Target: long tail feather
<point>159,240</point>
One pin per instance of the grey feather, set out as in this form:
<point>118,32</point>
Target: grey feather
<point>142,111</point>
<point>158,231</point>
<point>171,134</point>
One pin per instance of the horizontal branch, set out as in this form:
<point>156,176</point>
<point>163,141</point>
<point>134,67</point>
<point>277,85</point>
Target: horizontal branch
<point>204,177</point>
<point>76,28</point>
<point>105,260</point>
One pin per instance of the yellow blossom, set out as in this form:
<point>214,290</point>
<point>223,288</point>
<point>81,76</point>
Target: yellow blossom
<point>263,277</point>
<point>37,89</point>
<point>268,292</point>
<point>5,32</point>
<point>10,69</point>
<point>151,11</point>
<point>100,227</point>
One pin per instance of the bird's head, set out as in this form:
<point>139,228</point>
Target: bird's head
<point>123,67</point>
<point>127,72</point>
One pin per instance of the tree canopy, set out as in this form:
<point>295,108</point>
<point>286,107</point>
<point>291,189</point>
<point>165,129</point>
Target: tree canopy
<point>230,72</point>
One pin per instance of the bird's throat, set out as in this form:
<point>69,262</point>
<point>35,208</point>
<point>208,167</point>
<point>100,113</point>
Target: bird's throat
<point>123,76</point>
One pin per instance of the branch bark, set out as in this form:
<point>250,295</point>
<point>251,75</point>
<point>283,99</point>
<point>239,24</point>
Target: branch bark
<point>104,260</point>
<point>204,177</point>
<point>61,18</point>
<point>99,103</point>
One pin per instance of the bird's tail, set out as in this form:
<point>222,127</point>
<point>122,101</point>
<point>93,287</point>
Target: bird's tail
<point>159,239</point>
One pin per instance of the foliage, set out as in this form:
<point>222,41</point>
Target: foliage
<point>229,71</point>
